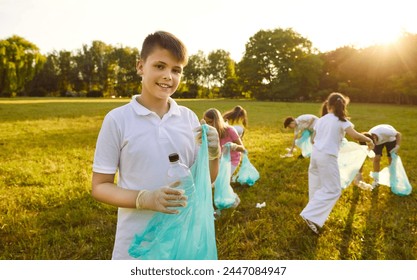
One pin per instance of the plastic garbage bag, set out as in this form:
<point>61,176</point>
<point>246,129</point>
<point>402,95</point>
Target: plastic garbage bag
<point>304,143</point>
<point>189,235</point>
<point>224,196</point>
<point>395,177</point>
<point>247,174</point>
<point>351,158</point>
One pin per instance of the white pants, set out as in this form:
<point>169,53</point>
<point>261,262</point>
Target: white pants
<point>324,187</point>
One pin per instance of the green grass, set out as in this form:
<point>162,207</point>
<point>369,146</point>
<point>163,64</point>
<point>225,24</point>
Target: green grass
<point>47,212</point>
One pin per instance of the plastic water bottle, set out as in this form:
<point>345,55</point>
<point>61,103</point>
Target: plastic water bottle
<point>180,172</point>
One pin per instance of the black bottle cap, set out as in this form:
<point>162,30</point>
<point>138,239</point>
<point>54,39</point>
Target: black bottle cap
<point>173,157</point>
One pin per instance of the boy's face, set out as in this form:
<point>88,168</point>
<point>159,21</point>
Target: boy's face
<point>161,74</point>
<point>292,124</point>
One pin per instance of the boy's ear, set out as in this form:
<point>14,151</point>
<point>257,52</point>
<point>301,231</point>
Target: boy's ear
<point>139,67</point>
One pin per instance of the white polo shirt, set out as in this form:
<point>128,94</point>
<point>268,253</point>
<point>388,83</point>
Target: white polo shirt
<point>303,122</point>
<point>385,132</point>
<point>136,142</point>
<point>330,132</point>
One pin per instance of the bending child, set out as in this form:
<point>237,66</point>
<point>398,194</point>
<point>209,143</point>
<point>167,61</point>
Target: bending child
<point>303,127</point>
<point>383,136</point>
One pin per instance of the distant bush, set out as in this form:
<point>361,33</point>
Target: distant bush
<point>95,93</point>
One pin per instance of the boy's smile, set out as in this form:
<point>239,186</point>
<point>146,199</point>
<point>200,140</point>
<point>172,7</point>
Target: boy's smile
<point>161,74</point>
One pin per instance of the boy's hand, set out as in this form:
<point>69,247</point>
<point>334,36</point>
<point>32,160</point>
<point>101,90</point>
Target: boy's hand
<point>395,149</point>
<point>212,140</point>
<point>159,200</point>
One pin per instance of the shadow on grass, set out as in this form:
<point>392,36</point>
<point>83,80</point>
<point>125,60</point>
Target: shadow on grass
<point>391,232</point>
<point>347,232</point>
<point>368,251</point>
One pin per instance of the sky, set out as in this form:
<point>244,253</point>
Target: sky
<point>205,25</point>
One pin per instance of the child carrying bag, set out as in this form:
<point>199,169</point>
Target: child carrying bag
<point>189,235</point>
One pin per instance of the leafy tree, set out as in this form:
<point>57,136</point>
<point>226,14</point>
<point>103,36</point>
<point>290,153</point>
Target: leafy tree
<point>220,67</point>
<point>231,88</point>
<point>46,81</point>
<point>65,71</point>
<point>126,79</point>
<point>267,67</point>
<point>337,72</point>
<point>20,60</point>
<point>195,73</point>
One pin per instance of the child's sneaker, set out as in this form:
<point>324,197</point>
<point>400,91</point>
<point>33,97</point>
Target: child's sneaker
<point>365,186</point>
<point>311,225</point>
<point>375,176</point>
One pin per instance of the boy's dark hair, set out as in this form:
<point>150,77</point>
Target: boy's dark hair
<point>166,41</point>
<point>287,121</point>
<point>367,134</point>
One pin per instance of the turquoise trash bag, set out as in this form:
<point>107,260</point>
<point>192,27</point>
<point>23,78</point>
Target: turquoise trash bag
<point>395,177</point>
<point>224,196</point>
<point>189,235</point>
<point>247,174</point>
<point>304,143</point>
<point>350,160</point>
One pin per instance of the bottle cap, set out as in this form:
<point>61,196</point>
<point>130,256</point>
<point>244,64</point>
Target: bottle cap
<point>173,157</point>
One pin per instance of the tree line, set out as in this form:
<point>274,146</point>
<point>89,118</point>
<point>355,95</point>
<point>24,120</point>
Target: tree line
<point>277,65</point>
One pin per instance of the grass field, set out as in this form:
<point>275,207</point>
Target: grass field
<point>47,212</point>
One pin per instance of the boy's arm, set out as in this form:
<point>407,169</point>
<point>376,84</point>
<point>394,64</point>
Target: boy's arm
<point>397,143</point>
<point>160,200</point>
<point>398,138</point>
<point>104,190</point>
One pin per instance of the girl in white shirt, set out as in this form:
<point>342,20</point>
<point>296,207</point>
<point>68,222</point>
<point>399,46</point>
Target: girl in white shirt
<point>323,174</point>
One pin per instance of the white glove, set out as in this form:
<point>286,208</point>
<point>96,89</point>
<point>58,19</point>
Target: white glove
<point>212,140</point>
<point>159,200</point>
<point>395,149</point>
<point>233,146</point>
<point>370,145</point>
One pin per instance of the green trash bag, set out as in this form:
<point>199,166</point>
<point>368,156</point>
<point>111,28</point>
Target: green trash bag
<point>247,174</point>
<point>189,235</point>
<point>395,177</point>
<point>350,160</point>
<point>304,143</point>
<point>224,196</point>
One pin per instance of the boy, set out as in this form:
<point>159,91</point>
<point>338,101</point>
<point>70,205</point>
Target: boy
<point>136,139</point>
<point>383,135</point>
<point>300,124</point>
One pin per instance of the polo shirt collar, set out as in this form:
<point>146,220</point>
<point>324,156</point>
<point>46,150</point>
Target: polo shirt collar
<point>143,111</point>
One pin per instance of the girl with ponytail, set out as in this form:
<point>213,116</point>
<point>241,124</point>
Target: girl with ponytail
<point>324,186</point>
